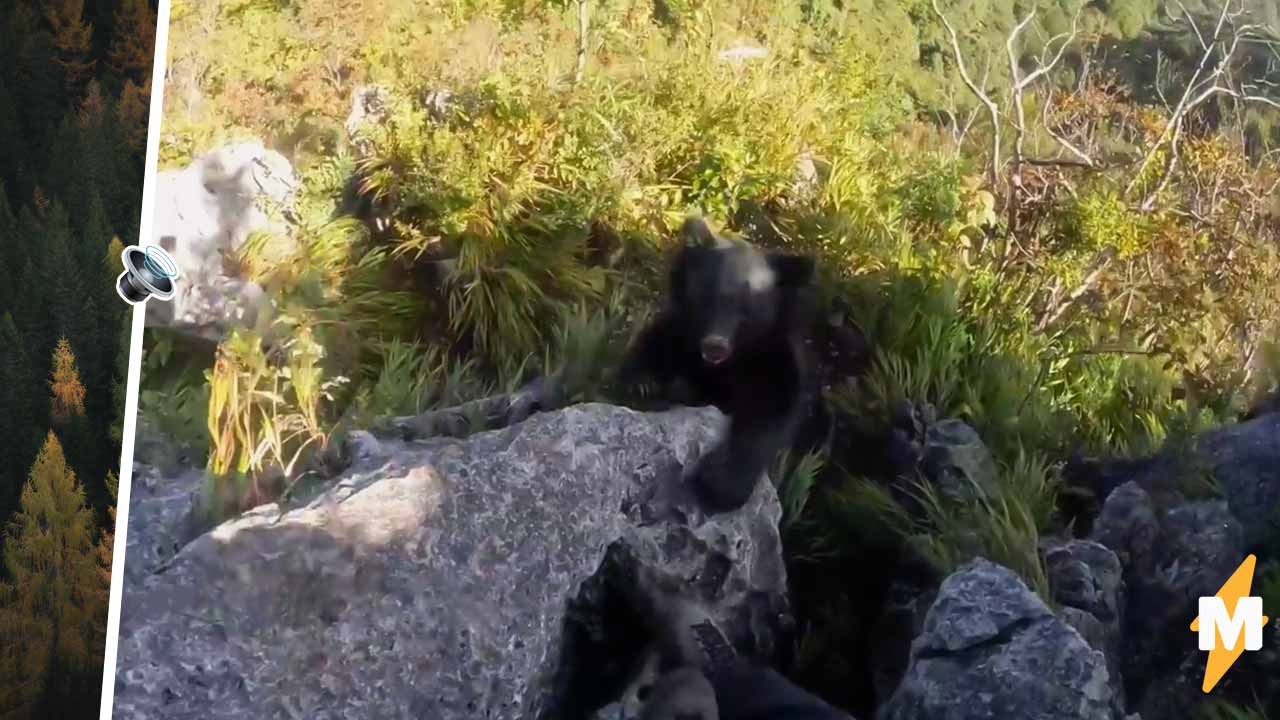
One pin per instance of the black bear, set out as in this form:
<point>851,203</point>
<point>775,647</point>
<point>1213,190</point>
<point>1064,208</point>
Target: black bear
<point>734,329</point>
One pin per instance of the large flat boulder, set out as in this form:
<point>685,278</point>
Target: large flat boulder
<point>446,578</point>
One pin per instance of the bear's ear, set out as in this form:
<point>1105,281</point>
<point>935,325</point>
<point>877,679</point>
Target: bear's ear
<point>695,233</point>
<point>687,258</point>
<point>791,270</point>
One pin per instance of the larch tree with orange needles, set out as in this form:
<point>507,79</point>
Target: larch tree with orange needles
<point>51,601</point>
<point>68,393</point>
<point>73,42</point>
<point>134,43</point>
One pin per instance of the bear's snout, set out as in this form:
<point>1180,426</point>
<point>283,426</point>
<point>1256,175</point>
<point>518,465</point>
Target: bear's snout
<point>716,349</point>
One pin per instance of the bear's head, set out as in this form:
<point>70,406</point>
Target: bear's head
<point>731,296</point>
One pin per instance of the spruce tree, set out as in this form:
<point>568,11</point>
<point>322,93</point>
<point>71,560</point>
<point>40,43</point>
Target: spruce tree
<point>133,110</point>
<point>10,252</point>
<point>16,415</point>
<point>36,89</point>
<point>119,381</point>
<point>12,148</point>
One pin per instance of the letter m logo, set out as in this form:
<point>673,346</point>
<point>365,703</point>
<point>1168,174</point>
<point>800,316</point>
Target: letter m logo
<point>1222,630</point>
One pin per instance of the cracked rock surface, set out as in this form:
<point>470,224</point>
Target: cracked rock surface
<point>992,649</point>
<point>448,578</point>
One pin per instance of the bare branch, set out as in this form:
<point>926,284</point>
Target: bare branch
<point>1018,86</point>
<point>1060,307</point>
<point>1066,39</point>
<point>1172,131</point>
<point>1058,162</point>
<point>1013,36</point>
<point>582,41</point>
<point>1085,160</point>
<point>1195,28</point>
<point>993,110</point>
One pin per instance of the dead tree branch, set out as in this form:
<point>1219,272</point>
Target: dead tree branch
<point>1205,82</point>
<point>583,26</point>
<point>993,110</point>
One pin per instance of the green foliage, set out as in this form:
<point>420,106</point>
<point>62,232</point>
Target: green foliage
<point>1216,709</point>
<point>797,483</point>
<point>1103,220</point>
<point>266,408</point>
<point>949,532</point>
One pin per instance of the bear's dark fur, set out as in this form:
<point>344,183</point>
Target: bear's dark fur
<point>734,329</point>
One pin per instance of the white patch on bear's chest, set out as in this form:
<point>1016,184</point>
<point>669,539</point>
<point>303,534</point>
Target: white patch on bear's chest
<point>760,277</point>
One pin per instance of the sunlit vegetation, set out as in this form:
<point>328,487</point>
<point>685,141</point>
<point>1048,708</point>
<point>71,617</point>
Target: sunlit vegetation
<point>1064,244</point>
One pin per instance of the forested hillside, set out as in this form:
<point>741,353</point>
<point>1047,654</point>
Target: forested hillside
<point>1056,222</point>
<point>74,95</point>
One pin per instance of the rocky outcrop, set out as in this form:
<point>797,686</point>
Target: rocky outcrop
<point>1087,584</point>
<point>163,502</point>
<point>451,579</point>
<point>203,215</point>
<point>992,649</point>
<point>958,463</point>
<point>1171,558</point>
<point>1244,461</point>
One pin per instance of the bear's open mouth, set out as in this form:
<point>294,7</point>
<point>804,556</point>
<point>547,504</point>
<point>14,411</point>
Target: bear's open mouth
<point>715,357</point>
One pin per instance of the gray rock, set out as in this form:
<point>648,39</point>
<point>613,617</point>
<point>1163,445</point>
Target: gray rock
<point>1085,575</point>
<point>992,649</point>
<point>1244,459</point>
<point>1087,581</point>
<point>1202,544</point>
<point>1169,560</point>
<point>203,215</point>
<point>1128,526</point>
<point>451,579</point>
<point>165,501</point>
<point>958,462</point>
<point>361,448</point>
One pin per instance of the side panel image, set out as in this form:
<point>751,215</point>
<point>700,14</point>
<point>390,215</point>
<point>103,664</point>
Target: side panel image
<point>75,83</point>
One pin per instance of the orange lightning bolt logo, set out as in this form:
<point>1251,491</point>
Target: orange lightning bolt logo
<point>1229,623</point>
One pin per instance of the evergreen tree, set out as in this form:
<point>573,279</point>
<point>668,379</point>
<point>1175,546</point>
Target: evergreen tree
<point>30,313</point>
<point>74,104</point>
<point>104,553</point>
<point>39,100</point>
<point>16,415</point>
<point>73,42</point>
<point>134,40</point>
<point>95,234</point>
<point>67,175</point>
<point>11,255</point>
<point>24,655</point>
<point>133,112</point>
<point>65,278</point>
<point>85,448</point>
<point>49,601</point>
<point>12,150</point>
<point>119,382</point>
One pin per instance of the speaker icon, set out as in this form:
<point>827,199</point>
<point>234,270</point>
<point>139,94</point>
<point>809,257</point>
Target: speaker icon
<point>147,273</point>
